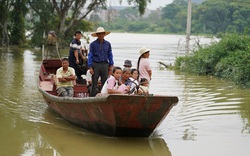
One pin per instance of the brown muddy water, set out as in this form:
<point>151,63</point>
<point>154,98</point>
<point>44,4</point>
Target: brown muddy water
<point>211,119</point>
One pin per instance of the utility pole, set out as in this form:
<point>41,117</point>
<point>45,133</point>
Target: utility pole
<point>188,29</point>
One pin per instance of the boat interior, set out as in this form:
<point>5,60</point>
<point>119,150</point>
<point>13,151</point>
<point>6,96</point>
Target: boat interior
<point>47,79</point>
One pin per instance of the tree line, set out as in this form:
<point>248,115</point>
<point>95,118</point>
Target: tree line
<point>24,22</point>
<point>209,17</point>
<point>22,19</point>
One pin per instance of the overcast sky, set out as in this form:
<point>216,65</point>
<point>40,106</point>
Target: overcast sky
<point>153,5</point>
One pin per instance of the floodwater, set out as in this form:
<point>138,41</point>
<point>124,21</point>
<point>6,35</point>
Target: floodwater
<point>211,119</point>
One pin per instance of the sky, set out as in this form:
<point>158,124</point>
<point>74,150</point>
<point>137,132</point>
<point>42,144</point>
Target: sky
<point>152,6</point>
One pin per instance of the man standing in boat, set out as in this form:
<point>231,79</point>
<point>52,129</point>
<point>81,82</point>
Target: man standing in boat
<point>100,58</point>
<point>52,45</point>
<point>65,79</point>
<point>76,55</point>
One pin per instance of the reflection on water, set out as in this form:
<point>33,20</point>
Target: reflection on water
<point>212,115</point>
<point>65,139</point>
<point>211,112</point>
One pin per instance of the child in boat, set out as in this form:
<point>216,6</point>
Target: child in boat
<point>111,86</point>
<point>144,86</point>
<point>89,82</point>
<point>134,75</point>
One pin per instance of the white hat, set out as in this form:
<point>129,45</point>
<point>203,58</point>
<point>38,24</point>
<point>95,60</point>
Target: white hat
<point>144,50</point>
<point>100,30</point>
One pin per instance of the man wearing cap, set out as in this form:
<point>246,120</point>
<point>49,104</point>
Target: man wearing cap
<point>127,64</point>
<point>100,58</point>
<point>143,65</point>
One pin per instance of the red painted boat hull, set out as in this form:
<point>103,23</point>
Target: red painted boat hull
<point>110,115</point>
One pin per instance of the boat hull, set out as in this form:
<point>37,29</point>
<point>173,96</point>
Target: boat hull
<point>110,115</point>
<point>113,115</point>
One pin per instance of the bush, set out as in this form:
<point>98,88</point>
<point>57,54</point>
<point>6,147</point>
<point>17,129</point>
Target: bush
<point>228,59</point>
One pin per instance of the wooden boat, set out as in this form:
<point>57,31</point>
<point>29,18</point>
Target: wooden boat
<point>111,115</point>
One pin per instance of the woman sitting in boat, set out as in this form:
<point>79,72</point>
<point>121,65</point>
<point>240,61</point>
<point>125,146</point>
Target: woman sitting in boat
<point>65,79</point>
<point>125,81</point>
<point>111,86</point>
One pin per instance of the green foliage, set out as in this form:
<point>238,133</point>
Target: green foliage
<point>228,59</point>
<point>4,17</point>
<point>140,4</point>
<point>44,19</point>
<point>43,15</point>
<point>137,26</point>
<point>68,16</point>
<point>235,67</point>
<point>208,17</point>
<point>83,26</point>
<point>4,11</point>
<point>18,22</point>
<point>176,14</point>
<point>213,16</point>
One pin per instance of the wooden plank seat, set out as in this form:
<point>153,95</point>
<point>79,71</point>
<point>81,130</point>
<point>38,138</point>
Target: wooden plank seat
<point>79,90</point>
<point>46,85</point>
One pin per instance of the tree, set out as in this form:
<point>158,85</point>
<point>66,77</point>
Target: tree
<point>5,6</point>
<point>18,22</point>
<point>71,13</point>
<point>140,4</point>
<point>176,13</point>
<point>41,19</point>
<point>12,22</point>
<point>214,16</point>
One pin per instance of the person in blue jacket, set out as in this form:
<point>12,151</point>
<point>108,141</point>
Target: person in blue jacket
<point>100,59</point>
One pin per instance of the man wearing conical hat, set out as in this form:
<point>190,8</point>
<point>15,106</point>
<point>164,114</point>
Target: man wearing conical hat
<point>100,58</point>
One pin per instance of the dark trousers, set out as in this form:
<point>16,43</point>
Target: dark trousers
<point>100,69</point>
<point>79,69</point>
